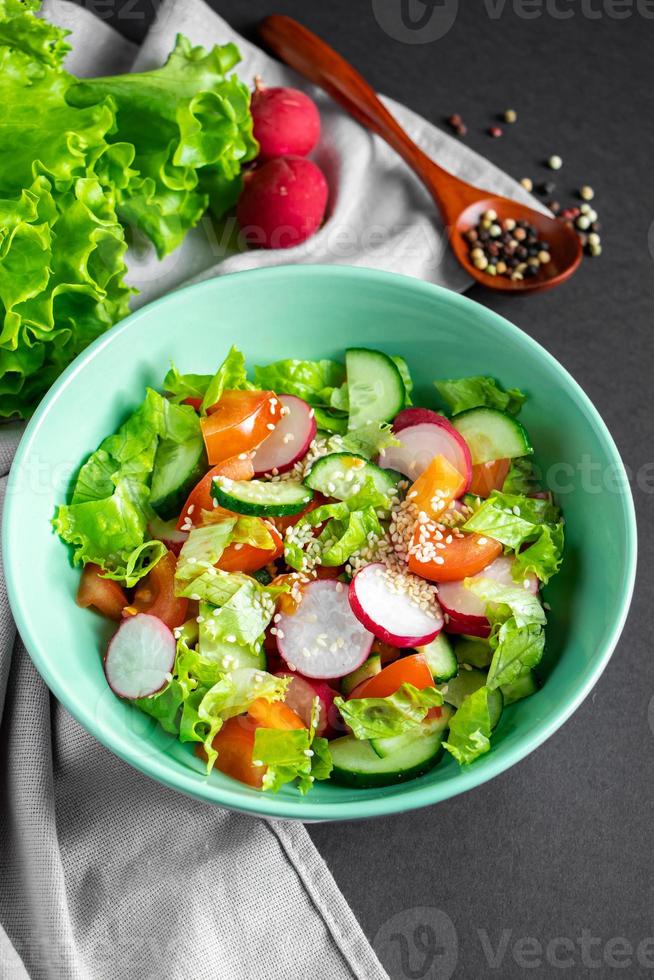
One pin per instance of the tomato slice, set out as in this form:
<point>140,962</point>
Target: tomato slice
<point>195,403</point>
<point>407,670</point>
<point>103,594</point>
<point>436,488</point>
<point>247,558</point>
<point>239,422</point>
<point>200,497</point>
<point>463,555</point>
<point>274,714</point>
<point>234,744</point>
<point>155,594</point>
<point>488,476</point>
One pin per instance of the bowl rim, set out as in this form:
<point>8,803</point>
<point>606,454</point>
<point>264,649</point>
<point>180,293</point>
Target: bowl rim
<point>412,795</point>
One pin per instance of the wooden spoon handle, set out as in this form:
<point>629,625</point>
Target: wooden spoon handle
<point>307,54</point>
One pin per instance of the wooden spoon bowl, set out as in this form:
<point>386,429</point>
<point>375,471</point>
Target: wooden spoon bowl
<point>460,204</point>
<point>564,245</point>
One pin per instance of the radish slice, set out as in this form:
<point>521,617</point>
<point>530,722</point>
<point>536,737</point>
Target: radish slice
<point>414,416</point>
<point>394,617</point>
<point>466,613</point>
<point>140,657</point>
<point>420,443</point>
<point>167,532</point>
<point>290,441</point>
<point>323,637</point>
<point>300,696</point>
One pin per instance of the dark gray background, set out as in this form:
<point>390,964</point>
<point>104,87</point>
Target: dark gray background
<point>563,842</point>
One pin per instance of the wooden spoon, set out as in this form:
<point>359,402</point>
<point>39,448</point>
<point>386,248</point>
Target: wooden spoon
<point>460,204</point>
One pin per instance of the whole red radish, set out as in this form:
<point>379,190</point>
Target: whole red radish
<point>285,121</point>
<point>282,203</point>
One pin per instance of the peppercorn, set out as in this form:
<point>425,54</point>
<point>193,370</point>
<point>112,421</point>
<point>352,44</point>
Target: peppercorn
<point>555,162</point>
<point>495,131</point>
<point>594,238</point>
<point>509,224</point>
<point>586,193</point>
<point>547,188</point>
<point>520,234</point>
<point>583,222</point>
<point>544,257</point>
<point>527,183</point>
<point>554,207</point>
<point>471,235</point>
<point>595,250</point>
<point>510,115</point>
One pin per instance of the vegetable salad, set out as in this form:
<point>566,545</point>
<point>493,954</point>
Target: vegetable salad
<point>312,578</point>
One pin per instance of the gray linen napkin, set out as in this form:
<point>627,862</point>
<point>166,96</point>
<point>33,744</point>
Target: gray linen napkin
<point>104,873</point>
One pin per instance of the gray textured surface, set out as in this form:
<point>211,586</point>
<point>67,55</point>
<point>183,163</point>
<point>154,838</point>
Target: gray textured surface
<point>561,845</point>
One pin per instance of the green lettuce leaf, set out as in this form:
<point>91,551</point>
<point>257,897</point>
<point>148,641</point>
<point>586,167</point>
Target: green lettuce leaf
<point>108,516</point>
<point>516,650</point>
<point>387,717</point>
<point>106,531</point>
<point>348,527</point>
<point>522,477</point>
<point>313,381</point>
<point>507,600</point>
<point>127,454</point>
<point>230,376</point>
<point>78,161</point>
<point>191,129</point>
<point>367,440</point>
<point>240,622</point>
<point>141,561</point>
<point>40,41</point>
<point>329,421</point>
<point>470,728</point>
<point>460,394</point>
<point>292,755</point>
<point>343,538</point>
<point>195,575</point>
<point>205,710</point>
<point>182,386</point>
<point>516,521</point>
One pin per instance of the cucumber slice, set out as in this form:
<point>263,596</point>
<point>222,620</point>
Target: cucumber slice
<point>523,687</point>
<point>466,683</point>
<point>357,764</point>
<point>341,475</point>
<point>368,669</point>
<point>473,651</point>
<point>440,658</point>
<point>258,498</point>
<point>177,468</point>
<point>492,434</point>
<point>375,387</point>
<point>385,747</point>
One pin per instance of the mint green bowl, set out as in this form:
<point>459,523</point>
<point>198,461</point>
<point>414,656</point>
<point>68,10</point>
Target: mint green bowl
<point>305,311</point>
